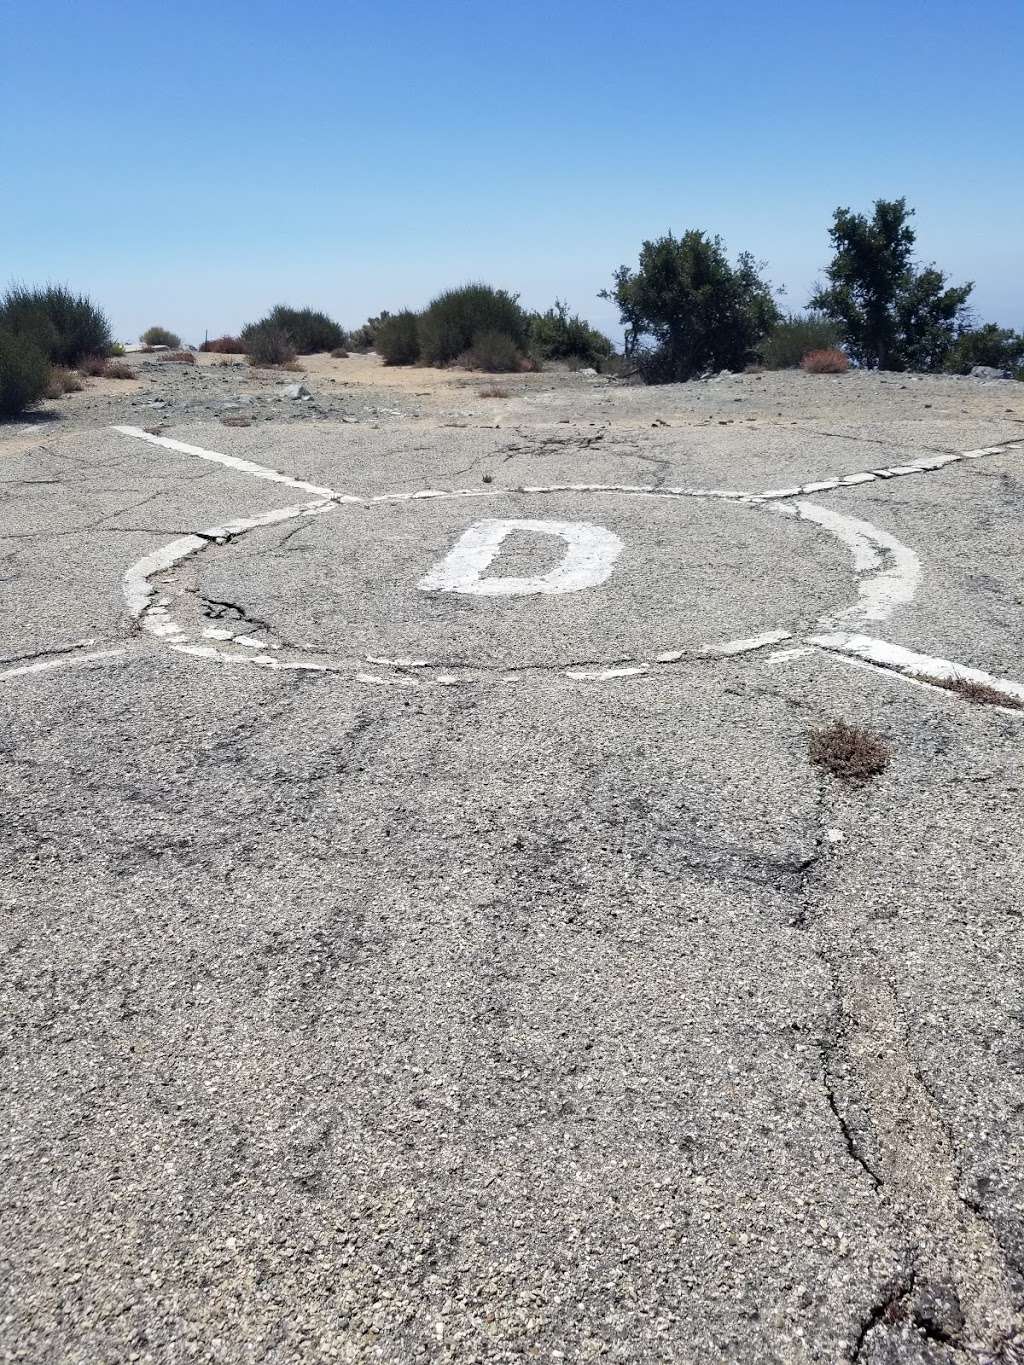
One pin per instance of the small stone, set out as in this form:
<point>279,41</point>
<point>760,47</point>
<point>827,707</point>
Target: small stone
<point>988,372</point>
<point>296,391</point>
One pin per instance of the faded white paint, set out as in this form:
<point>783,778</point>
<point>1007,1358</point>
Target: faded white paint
<point>770,637</point>
<point>590,555</point>
<point>258,471</point>
<point>64,661</point>
<point>889,571</point>
<point>909,662</point>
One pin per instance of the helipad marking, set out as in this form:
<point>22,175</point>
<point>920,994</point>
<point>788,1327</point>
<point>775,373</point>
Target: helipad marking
<point>588,560</point>
<point>770,637</point>
<point>889,571</point>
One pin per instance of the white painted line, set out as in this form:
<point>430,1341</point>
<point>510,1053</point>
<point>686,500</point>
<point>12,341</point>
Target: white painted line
<point>770,637</point>
<point>895,658</point>
<point>258,471</point>
<point>670,656</point>
<point>606,673</point>
<point>889,571</point>
<point>389,682</point>
<point>397,663</point>
<point>66,661</point>
<point>135,584</point>
<point>779,656</point>
<point>590,555</point>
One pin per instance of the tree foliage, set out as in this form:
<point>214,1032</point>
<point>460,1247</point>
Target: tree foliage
<point>1000,347</point>
<point>893,314</point>
<point>686,310</point>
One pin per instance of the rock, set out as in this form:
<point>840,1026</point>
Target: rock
<point>988,372</point>
<point>296,391</point>
<point>587,369</point>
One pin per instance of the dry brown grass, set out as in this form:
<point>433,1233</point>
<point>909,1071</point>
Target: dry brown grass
<point>178,357</point>
<point>849,751</point>
<point>982,694</point>
<point>494,391</point>
<point>92,365</point>
<point>226,345</point>
<point>236,420</point>
<point>339,353</point>
<point>117,369</point>
<point>63,381</point>
<point>828,361</point>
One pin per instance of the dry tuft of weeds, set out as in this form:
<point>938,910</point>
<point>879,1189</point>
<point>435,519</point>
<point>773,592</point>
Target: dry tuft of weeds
<point>236,421</point>
<point>849,751</point>
<point>178,357</point>
<point>828,361</point>
<point>117,369</point>
<point>63,381</point>
<point>494,391</point>
<point>982,694</point>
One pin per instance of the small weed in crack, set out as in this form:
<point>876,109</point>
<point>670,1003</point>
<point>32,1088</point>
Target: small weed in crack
<point>849,751</point>
<point>982,694</point>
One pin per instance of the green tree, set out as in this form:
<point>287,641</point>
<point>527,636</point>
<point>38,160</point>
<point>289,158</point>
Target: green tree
<point>686,310</point>
<point>1000,347</point>
<point>893,314</point>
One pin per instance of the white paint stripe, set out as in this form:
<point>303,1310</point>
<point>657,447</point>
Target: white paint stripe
<point>770,637</point>
<point>895,658</point>
<point>890,570</point>
<point>258,471</point>
<point>606,673</point>
<point>390,682</point>
<point>135,584</point>
<point>779,656</point>
<point>69,661</point>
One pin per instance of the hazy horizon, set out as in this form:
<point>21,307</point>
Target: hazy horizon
<point>193,167</point>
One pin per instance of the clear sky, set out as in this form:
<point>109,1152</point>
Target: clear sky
<point>191,162</point>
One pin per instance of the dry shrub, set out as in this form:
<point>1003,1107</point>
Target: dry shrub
<point>339,353</point>
<point>236,420</point>
<point>828,361</point>
<point>982,694</point>
<point>848,751</point>
<point>117,369</point>
<point>225,345</point>
<point>494,391</point>
<point>63,381</point>
<point>93,365</point>
<point>178,357</point>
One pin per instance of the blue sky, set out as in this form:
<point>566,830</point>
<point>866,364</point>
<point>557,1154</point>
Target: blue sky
<point>191,162</point>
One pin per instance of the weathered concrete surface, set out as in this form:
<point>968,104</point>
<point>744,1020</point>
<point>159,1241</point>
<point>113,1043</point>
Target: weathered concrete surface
<point>498,1009</point>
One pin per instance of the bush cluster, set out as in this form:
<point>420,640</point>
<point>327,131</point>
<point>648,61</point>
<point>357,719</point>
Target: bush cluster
<point>1000,347</point>
<point>559,335</point>
<point>396,338</point>
<point>266,344</point>
<point>160,336</point>
<point>225,345</point>
<point>25,373</point>
<point>63,325</point>
<point>456,320</point>
<point>794,336</point>
<point>308,330</point>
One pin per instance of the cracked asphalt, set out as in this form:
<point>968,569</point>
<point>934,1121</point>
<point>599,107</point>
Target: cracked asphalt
<point>399,975</point>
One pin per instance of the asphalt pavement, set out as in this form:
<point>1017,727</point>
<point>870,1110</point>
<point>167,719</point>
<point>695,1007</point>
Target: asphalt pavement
<point>425,936</point>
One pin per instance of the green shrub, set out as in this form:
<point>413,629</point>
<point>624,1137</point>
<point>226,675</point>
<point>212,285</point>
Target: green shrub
<point>160,336</point>
<point>453,321</point>
<point>396,338</point>
<point>893,313</point>
<point>557,335</point>
<point>63,325</point>
<point>24,373</point>
<point>266,344</point>
<point>1000,347</point>
<point>365,338</point>
<point>308,330</point>
<point>794,336</point>
<point>494,353</point>
<point>116,349</point>
<point>686,310</point>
